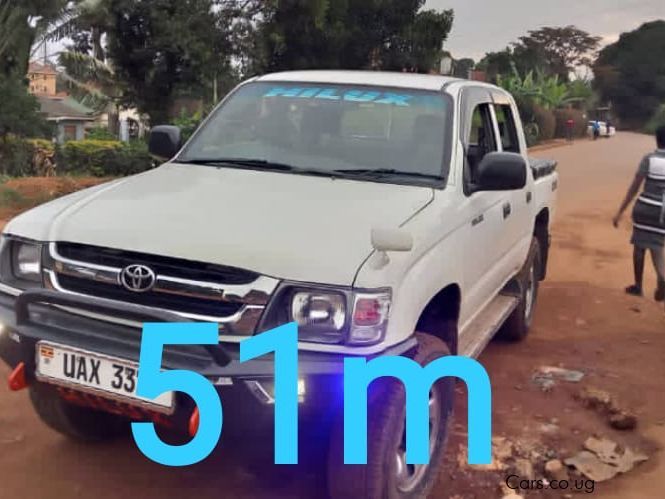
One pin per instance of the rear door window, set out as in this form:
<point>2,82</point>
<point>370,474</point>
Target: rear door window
<point>507,128</point>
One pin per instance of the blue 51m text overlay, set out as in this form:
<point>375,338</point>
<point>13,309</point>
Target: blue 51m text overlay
<point>283,343</point>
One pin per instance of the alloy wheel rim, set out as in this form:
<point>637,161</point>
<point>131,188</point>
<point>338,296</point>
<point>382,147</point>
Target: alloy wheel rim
<point>530,294</point>
<point>409,476</point>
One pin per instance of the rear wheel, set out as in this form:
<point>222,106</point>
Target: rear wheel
<point>73,421</point>
<point>387,475</point>
<point>516,328</point>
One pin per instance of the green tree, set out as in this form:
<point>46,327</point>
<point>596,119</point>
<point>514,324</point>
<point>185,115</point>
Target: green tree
<point>497,63</point>
<point>352,34</point>
<point>21,23</point>
<point>463,67</point>
<point>562,48</point>
<point>145,54</point>
<point>631,73</point>
<point>84,70</point>
<point>19,115</point>
<point>418,46</point>
<point>520,58</point>
<point>85,22</point>
<point>553,51</point>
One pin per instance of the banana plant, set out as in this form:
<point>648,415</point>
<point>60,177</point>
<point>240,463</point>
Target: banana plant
<point>545,91</point>
<point>89,77</point>
<point>21,23</point>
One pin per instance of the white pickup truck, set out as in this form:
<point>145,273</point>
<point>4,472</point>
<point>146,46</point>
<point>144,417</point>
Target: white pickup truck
<point>386,214</point>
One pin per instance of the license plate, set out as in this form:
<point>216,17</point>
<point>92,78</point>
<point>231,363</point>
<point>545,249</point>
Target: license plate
<point>102,375</point>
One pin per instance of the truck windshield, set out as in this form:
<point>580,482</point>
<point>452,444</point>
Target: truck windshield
<point>327,129</point>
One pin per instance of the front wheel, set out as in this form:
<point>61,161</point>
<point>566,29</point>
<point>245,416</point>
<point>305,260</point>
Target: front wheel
<point>387,474</point>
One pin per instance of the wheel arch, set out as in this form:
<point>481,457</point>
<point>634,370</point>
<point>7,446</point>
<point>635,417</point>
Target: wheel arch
<point>440,316</point>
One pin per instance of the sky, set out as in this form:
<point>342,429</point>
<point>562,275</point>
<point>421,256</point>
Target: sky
<point>483,26</point>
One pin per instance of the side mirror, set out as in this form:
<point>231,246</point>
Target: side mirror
<point>165,141</point>
<point>501,171</point>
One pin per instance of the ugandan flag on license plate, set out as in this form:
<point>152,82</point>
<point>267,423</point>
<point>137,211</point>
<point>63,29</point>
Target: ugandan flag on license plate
<point>46,352</point>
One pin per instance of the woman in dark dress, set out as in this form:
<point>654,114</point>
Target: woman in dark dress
<point>648,217</point>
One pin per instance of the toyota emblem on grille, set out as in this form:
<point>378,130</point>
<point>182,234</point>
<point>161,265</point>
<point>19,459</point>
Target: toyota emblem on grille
<point>137,278</point>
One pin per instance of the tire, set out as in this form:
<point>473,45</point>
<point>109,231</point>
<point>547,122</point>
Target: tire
<point>380,478</point>
<point>516,327</point>
<point>73,421</point>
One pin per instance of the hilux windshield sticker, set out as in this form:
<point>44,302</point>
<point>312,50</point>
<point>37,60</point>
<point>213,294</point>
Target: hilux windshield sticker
<point>335,94</point>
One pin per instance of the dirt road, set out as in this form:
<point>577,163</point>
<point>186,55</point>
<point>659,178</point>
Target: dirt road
<point>583,322</point>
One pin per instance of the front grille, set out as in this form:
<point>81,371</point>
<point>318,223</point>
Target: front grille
<point>232,297</point>
<point>161,265</point>
<point>175,303</point>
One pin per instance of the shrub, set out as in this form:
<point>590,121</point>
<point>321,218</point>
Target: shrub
<point>546,122</point>
<point>44,144</point>
<point>133,158</point>
<point>657,120</point>
<point>81,157</point>
<point>99,133</point>
<point>102,158</point>
<point>188,123</point>
<point>563,115</point>
<point>15,157</point>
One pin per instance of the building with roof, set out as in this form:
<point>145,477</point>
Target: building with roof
<point>70,116</point>
<point>43,78</point>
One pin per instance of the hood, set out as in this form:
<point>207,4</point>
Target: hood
<point>288,226</point>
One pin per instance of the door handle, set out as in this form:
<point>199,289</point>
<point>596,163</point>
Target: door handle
<point>507,210</point>
<point>478,220</point>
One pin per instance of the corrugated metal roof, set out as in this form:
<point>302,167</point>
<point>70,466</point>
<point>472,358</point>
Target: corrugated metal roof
<point>59,107</point>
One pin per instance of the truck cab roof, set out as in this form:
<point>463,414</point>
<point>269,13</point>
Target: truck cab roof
<point>378,78</point>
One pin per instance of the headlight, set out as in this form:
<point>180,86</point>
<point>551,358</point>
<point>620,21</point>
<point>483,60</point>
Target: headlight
<point>319,314</point>
<point>333,316</point>
<point>26,261</point>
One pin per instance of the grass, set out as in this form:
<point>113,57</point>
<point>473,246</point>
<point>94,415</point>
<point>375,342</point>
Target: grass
<point>11,198</point>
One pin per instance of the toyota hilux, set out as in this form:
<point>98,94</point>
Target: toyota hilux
<point>384,213</point>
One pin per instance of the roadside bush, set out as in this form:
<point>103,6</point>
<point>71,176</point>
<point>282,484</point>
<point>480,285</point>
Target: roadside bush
<point>43,144</point>
<point>546,123</point>
<point>16,157</point>
<point>657,120</point>
<point>133,158</point>
<point>99,133</point>
<point>80,157</point>
<point>188,123</point>
<point>103,158</point>
<point>563,115</point>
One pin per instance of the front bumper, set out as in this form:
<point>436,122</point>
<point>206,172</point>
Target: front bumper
<point>37,315</point>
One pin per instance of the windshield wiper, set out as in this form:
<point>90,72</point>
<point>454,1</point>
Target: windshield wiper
<point>382,172</point>
<point>239,162</point>
<point>261,164</point>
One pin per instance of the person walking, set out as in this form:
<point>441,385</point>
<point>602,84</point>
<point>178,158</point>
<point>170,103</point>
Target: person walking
<point>596,129</point>
<point>570,129</point>
<point>648,217</point>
